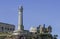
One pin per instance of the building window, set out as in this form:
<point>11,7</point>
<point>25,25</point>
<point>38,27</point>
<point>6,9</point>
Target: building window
<point>7,28</point>
<point>2,28</point>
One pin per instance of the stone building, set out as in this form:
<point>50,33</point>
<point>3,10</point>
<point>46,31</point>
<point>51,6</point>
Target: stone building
<point>5,27</point>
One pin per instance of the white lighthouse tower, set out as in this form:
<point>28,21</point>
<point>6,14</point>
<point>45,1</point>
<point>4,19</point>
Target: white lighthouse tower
<point>20,22</point>
<point>20,19</point>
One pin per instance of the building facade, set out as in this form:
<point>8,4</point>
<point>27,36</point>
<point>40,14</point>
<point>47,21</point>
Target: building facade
<point>5,27</point>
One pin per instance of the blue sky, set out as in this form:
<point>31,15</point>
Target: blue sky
<point>36,12</point>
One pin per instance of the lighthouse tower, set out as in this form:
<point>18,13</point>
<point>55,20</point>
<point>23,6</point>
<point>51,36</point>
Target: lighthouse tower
<point>20,18</point>
<point>20,22</point>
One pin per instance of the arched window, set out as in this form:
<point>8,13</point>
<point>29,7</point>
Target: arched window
<point>2,28</point>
